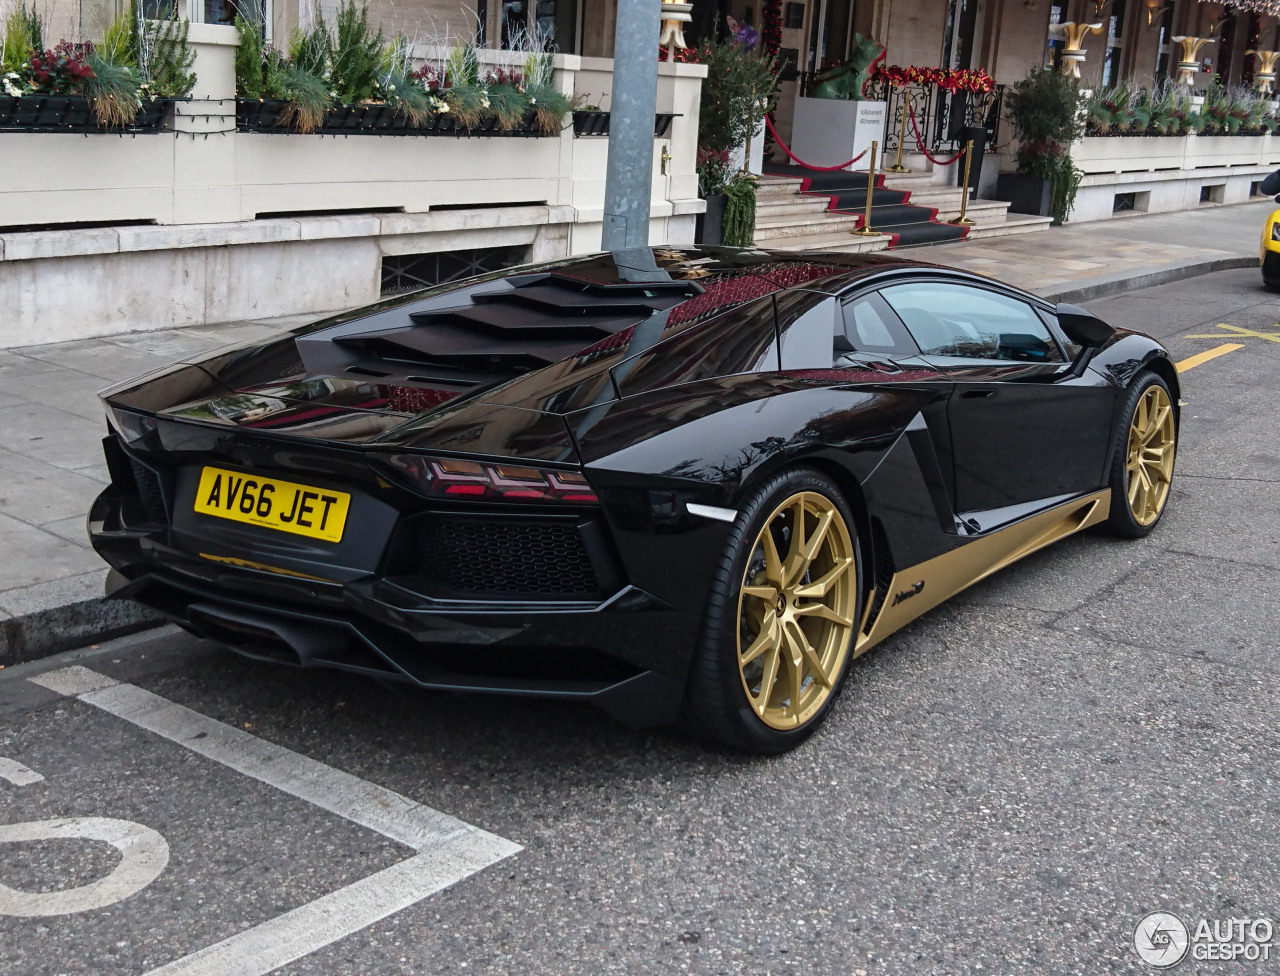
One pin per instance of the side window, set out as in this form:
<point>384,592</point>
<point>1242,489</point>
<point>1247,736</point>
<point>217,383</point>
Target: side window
<point>972,323</point>
<point>871,327</point>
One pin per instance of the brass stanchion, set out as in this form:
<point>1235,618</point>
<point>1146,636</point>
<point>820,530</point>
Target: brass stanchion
<point>865,230</point>
<point>907,101</point>
<point>962,220</point>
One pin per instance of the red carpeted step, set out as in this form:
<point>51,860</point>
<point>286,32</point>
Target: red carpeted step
<point>891,214</point>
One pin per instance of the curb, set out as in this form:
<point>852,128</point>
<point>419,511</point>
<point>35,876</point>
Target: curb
<point>67,614</point>
<point>1109,287</point>
<point>63,615</point>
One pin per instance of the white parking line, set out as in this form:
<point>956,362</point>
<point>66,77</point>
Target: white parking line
<point>449,849</point>
<point>18,774</point>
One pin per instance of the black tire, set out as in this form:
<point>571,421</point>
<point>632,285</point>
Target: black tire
<point>1122,521</point>
<point>1271,269</point>
<point>716,705</point>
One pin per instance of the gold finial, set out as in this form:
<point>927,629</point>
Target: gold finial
<point>1073,54</point>
<point>1266,73</point>
<point>1189,63</point>
<point>674,17</point>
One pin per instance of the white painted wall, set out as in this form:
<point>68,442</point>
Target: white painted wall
<point>210,258</point>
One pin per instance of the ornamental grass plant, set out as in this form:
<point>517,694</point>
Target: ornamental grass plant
<point>1168,110</point>
<point>354,64</point>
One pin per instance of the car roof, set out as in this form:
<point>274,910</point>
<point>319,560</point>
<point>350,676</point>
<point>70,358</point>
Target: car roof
<point>714,268</point>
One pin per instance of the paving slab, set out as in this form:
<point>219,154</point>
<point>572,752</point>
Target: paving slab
<point>37,492</point>
<point>48,434</point>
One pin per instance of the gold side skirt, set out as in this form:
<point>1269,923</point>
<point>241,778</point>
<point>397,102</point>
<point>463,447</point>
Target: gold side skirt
<point>929,583</point>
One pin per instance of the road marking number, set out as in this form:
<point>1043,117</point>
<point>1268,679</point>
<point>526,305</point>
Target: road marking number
<point>144,855</point>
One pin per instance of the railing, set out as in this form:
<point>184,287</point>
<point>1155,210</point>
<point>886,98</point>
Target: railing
<point>940,116</point>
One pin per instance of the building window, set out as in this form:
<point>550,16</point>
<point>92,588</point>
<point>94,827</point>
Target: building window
<point>1053,50</point>
<point>408,272</point>
<point>1115,45</point>
<point>222,11</point>
<point>1164,49</point>
<point>555,21</point>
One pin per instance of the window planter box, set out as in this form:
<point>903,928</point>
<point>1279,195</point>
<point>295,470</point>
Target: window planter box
<point>71,113</point>
<point>1225,151</point>
<point>1128,154</point>
<point>597,123</point>
<point>264,115</point>
<point>1144,154</point>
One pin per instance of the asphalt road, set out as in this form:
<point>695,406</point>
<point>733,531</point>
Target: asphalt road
<point>1005,787</point>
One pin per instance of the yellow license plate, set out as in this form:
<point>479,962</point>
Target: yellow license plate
<point>282,505</point>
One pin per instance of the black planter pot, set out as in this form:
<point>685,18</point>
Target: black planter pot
<point>709,226</point>
<point>152,115</point>
<point>1026,194</point>
<point>72,113</point>
<point>50,113</point>
<point>375,119</point>
<point>259,114</point>
<point>597,123</point>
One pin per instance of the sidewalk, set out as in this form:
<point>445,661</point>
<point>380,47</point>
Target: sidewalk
<point>51,423</point>
<point>51,469</point>
<point>1080,262</point>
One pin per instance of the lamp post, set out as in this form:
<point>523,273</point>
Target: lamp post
<point>629,174</point>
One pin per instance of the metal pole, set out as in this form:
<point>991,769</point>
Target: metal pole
<point>865,230</point>
<point>902,134</point>
<point>964,200</point>
<point>629,176</point>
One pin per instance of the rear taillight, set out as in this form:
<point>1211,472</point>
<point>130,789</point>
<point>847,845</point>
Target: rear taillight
<point>449,478</point>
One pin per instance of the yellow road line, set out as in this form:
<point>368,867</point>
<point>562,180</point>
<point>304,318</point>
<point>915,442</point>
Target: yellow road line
<point>1191,362</point>
<point>1235,330</point>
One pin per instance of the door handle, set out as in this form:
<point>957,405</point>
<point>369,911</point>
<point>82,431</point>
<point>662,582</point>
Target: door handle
<point>977,394</point>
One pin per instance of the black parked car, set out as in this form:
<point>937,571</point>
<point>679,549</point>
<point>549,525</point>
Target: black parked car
<point>683,484</point>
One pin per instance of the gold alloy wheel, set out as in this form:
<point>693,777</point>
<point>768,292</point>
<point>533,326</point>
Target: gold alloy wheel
<point>1152,441</point>
<point>795,611</point>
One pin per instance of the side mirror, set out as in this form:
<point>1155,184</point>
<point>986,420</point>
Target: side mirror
<point>1083,327</point>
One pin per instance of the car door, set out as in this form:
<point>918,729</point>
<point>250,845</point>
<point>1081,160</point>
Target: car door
<point>1024,426</point>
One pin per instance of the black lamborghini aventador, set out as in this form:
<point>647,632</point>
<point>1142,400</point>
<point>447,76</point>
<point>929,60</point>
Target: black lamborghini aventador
<point>682,484</point>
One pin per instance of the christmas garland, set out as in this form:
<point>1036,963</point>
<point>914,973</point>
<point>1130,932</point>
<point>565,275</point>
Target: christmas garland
<point>950,80</point>
<point>771,27</point>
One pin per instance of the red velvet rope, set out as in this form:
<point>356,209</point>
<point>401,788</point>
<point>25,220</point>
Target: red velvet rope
<point>796,159</point>
<point>920,142</point>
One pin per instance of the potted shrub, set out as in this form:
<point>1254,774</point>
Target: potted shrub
<point>713,176</point>
<point>740,89</point>
<point>1045,109</point>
